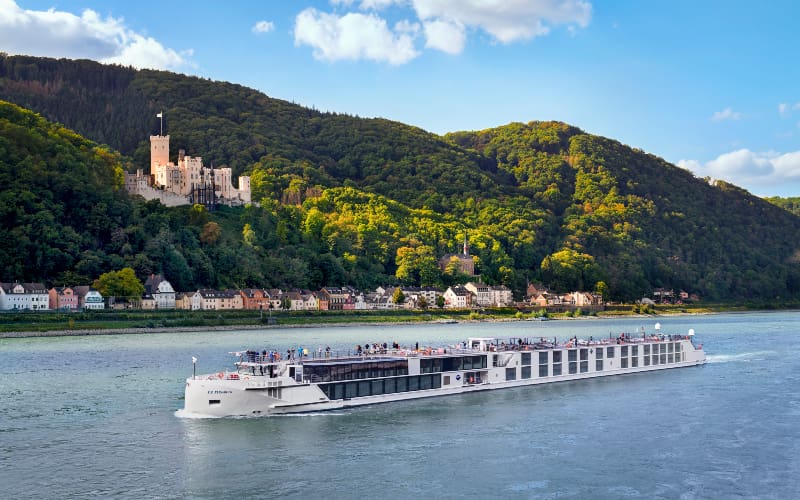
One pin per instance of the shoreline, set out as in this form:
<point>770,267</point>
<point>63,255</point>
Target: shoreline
<point>223,328</point>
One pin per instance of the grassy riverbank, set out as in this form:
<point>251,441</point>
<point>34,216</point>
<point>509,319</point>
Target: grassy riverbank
<point>98,322</point>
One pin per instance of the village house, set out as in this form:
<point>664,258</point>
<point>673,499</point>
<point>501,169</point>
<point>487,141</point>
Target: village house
<point>255,299</point>
<point>183,300</point>
<point>217,300</point>
<point>158,293</point>
<point>482,295</point>
<point>501,296</point>
<point>62,298</point>
<point>89,299</point>
<point>457,297</point>
<point>24,297</point>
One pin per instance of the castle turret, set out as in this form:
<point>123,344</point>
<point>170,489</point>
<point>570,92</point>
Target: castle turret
<point>159,151</point>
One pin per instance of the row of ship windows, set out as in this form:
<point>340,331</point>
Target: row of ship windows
<point>574,367</point>
<point>601,352</point>
<point>334,373</point>
<point>348,390</point>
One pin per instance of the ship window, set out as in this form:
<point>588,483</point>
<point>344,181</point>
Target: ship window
<point>572,355</point>
<point>557,356</point>
<point>363,388</point>
<point>670,358</point>
<point>511,373</point>
<point>351,390</point>
<point>598,354</point>
<point>543,370</point>
<point>677,347</point>
<point>377,387</point>
<point>526,372</point>
<point>479,361</point>
<point>426,382</point>
<point>584,366</point>
<point>543,358</point>
<point>647,350</point>
<point>447,380</point>
<point>556,369</point>
<point>466,363</point>
<point>213,401</point>
<point>390,385</point>
<point>573,367</point>
<point>598,365</point>
<point>437,381</point>
<point>624,362</point>
<point>635,350</point>
<point>647,361</point>
<point>338,391</point>
<point>526,358</point>
<point>584,354</point>
<point>655,359</point>
<point>670,347</point>
<point>609,352</point>
<point>663,359</point>
<point>402,384</point>
<point>413,383</point>
<point>634,362</point>
<point>623,351</point>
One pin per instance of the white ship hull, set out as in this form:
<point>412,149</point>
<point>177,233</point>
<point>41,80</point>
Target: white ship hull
<point>263,387</point>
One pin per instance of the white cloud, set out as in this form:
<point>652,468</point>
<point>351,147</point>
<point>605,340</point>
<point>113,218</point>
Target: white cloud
<point>748,168</point>
<point>55,33</point>
<point>726,114</point>
<point>353,36</point>
<point>263,27</point>
<point>507,20</point>
<point>447,36</point>
<point>785,108</point>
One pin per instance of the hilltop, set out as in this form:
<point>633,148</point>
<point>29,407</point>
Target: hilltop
<point>348,200</point>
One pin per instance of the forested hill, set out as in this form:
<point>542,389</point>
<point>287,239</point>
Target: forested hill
<point>346,200</point>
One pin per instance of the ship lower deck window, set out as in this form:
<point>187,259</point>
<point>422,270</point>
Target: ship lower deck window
<point>655,359</point>
<point>584,354</point>
<point>526,358</point>
<point>599,353</point>
<point>670,358</point>
<point>635,350</point>
<point>624,362</point>
<point>511,374</point>
<point>634,362</point>
<point>584,366</point>
<point>526,372</point>
<point>623,351</point>
<point>609,352</point>
<point>598,365</point>
<point>573,367</point>
<point>543,358</point>
<point>446,380</point>
<point>663,359</point>
<point>214,401</point>
<point>543,370</point>
<point>647,361</point>
<point>556,369</point>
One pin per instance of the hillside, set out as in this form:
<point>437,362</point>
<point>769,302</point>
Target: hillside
<point>369,201</point>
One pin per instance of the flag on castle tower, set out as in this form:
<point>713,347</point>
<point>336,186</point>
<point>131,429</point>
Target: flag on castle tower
<point>160,115</point>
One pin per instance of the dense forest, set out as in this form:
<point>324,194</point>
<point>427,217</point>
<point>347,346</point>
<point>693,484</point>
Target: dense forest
<point>347,200</point>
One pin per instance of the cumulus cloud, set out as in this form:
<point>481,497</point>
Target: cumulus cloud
<point>726,114</point>
<point>447,36</point>
<point>55,33</point>
<point>263,27</point>
<point>507,20</point>
<point>446,26</point>
<point>748,168</point>
<point>354,36</point>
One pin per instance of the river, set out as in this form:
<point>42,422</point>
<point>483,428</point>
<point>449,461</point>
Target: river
<point>96,416</point>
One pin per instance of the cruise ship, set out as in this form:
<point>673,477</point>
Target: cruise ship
<point>266,383</point>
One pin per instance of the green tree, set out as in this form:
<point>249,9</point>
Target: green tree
<point>398,297</point>
<point>122,284</point>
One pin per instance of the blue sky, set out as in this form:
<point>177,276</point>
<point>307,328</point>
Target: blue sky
<point>711,85</point>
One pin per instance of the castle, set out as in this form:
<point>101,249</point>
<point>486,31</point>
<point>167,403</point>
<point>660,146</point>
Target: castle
<point>186,183</point>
